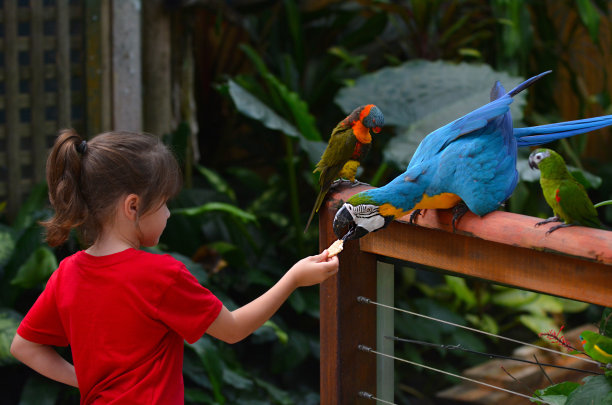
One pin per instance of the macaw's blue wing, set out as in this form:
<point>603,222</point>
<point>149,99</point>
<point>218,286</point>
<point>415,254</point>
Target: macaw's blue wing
<point>542,134</point>
<point>476,120</point>
<point>473,157</point>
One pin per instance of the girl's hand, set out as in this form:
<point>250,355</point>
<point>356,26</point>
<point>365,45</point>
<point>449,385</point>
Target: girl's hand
<point>313,269</point>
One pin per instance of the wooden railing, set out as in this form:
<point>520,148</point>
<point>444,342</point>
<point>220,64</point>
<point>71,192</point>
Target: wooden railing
<point>501,247</point>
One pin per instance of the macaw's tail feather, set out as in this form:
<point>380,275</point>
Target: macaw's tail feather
<point>316,207</point>
<point>527,83</point>
<point>542,134</point>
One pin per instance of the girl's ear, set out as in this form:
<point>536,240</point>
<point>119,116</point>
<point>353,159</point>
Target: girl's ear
<point>130,206</point>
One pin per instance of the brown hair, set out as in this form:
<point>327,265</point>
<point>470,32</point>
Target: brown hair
<point>87,179</point>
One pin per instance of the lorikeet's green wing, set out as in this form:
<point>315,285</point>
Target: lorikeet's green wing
<point>575,205</point>
<point>597,346</point>
<point>339,151</point>
<point>603,346</point>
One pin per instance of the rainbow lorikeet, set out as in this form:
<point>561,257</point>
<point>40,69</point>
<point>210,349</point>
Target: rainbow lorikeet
<point>563,193</point>
<point>348,145</point>
<point>472,159</point>
<point>597,346</point>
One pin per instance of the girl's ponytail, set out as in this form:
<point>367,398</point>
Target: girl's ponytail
<point>64,176</point>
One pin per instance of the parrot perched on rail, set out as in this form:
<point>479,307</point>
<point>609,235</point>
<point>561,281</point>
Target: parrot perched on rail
<point>597,346</point>
<point>563,193</point>
<point>348,145</point>
<point>472,159</point>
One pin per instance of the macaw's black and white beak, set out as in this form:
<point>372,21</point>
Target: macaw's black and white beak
<point>354,222</point>
<point>345,227</point>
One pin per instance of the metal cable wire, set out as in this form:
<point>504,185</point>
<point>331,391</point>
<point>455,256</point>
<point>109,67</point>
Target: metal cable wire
<point>365,300</point>
<point>367,395</point>
<point>489,355</point>
<point>370,350</point>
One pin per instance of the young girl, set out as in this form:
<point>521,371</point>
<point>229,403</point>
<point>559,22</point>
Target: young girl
<point>123,311</point>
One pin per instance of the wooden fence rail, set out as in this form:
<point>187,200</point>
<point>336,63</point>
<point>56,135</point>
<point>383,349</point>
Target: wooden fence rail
<point>501,247</point>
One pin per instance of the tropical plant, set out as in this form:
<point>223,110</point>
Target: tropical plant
<point>592,390</point>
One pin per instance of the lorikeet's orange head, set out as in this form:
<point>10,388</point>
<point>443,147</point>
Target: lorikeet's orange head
<point>372,118</point>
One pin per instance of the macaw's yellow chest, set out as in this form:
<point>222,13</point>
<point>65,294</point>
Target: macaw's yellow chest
<point>440,201</point>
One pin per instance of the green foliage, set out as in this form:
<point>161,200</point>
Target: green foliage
<point>590,18</point>
<point>37,269</point>
<point>9,321</point>
<point>556,394</point>
<point>593,390</point>
<point>24,261</point>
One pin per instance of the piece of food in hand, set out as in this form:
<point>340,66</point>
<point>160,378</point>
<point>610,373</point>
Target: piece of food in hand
<point>335,248</point>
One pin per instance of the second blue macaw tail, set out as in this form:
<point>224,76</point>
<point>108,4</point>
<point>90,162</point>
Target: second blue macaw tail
<point>532,136</point>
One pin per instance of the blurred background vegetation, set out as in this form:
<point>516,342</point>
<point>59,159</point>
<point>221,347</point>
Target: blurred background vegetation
<point>272,79</point>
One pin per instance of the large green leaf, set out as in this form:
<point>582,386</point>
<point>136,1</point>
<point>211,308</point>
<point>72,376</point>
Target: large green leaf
<point>537,323</point>
<point>461,290</point>
<point>590,18</point>
<point>216,206</point>
<point>283,99</point>
<point>213,363</point>
<point>7,244</point>
<point>33,208</point>
<point>556,394</point>
<point>37,269</point>
<point>9,321</point>
<point>595,390</point>
<point>511,297</point>
<point>419,97</point>
<point>218,183</point>
<point>571,306</point>
<point>252,107</point>
<point>299,109</point>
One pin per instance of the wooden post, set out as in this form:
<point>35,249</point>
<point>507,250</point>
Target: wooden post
<point>97,67</point>
<point>126,65</point>
<point>156,68</point>
<point>345,323</point>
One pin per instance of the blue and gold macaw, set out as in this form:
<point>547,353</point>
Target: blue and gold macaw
<point>470,160</point>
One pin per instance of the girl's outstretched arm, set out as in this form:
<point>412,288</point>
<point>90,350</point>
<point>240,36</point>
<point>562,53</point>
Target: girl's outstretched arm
<point>234,326</point>
<point>44,359</point>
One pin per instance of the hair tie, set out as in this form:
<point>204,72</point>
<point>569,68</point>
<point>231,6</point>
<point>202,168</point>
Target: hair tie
<point>82,147</point>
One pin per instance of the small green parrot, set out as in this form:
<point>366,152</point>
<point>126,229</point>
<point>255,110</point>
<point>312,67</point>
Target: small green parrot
<point>597,346</point>
<point>348,145</point>
<point>563,193</point>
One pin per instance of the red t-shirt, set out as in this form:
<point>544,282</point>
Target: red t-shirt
<point>125,316</point>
